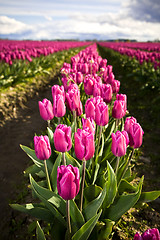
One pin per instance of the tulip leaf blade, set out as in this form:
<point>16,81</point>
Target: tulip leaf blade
<point>123,203</point>
<point>35,210</point>
<point>85,231</point>
<point>91,192</point>
<point>125,186</point>
<point>92,207</point>
<point>51,201</point>
<point>148,196</point>
<point>50,135</point>
<point>111,187</point>
<point>39,232</point>
<point>53,176</point>
<point>71,160</point>
<point>31,153</point>
<point>76,215</point>
<point>106,229</point>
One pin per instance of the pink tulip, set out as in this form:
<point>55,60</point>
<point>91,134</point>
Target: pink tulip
<point>135,135</point>
<point>62,138</point>
<point>84,144</point>
<point>56,89</point>
<point>101,114</point>
<point>150,234</point>
<point>89,83</point>
<point>122,97</point>
<point>89,124</point>
<point>73,98</point>
<point>46,109</point>
<point>115,86</point>
<point>106,92</point>
<point>119,143</point>
<point>119,109</point>
<point>90,106</point>
<point>68,179</point>
<point>128,122</point>
<point>59,108</point>
<point>42,147</point>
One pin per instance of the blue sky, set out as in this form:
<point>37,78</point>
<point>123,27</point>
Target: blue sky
<point>84,19</point>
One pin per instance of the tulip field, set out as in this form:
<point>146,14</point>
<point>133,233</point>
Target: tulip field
<point>84,177</point>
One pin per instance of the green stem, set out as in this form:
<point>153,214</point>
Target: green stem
<point>82,186</point>
<point>68,219</point>
<point>75,122</point>
<point>49,123</point>
<point>47,175</point>
<point>99,139</point>
<point>63,158</point>
<point>59,120</point>
<point>117,165</point>
<point>126,167</point>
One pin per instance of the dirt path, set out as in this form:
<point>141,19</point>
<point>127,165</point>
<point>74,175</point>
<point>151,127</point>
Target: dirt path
<point>18,131</point>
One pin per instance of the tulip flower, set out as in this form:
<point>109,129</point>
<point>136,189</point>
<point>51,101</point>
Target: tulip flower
<point>106,92</point>
<point>62,138</point>
<point>43,152</point>
<point>135,135</point>
<point>59,108</point>
<point>88,123</point>
<point>150,234</point>
<point>79,77</point>
<point>128,122</point>
<point>115,86</point>
<point>101,114</point>
<point>84,144</point>
<point>89,83</point>
<point>120,141</point>
<point>42,147</point>
<point>46,109</point>
<point>73,99</point>
<point>97,89</point>
<point>68,179</point>
<point>119,109</point>
<point>56,89</point>
<point>122,97</point>
<point>90,106</point>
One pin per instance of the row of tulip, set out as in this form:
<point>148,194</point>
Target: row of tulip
<point>88,122</point>
<point>15,50</point>
<point>34,58</point>
<point>133,50</point>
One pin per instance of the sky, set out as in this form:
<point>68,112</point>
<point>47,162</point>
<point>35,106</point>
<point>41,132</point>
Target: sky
<point>81,20</point>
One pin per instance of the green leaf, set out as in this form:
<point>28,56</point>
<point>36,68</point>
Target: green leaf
<point>53,176</point>
<point>31,153</point>
<point>86,229</point>
<point>76,215</point>
<point>96,173</point>
<point>123,203</point>
<point>111,187</point>
<point>106,229</point>
<point>35,210</point>
<point>33,169</point>
<point>92,208</point>
<point>125,186</point>
<point>148,196</point>
<point>91,192</point>
<point>71,160</point>
<point>39,232</point>
<point>50,135</point>
<point>51,200</point>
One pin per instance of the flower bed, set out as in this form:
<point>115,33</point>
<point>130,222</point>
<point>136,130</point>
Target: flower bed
<point>89,123</point>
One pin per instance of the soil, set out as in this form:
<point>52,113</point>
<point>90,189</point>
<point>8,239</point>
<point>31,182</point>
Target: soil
<point>19,130</point>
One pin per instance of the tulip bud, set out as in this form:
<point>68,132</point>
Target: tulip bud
<point>62,138</point>
<point>106,92</point>
<point>151,234</point>
<point>89,83</point>
<point>119,109</point>
<point>89,124</point>
<point>73,99</point>
<point>84,144</point>
<point>68,179</point>
<point>90,106</point>
<point>56,89</point>
<point>59,108</point>
<point>135,135</point>
<point>101,114</point>
<point>46,109</point>
<point>79,77</point>
<point>119,143</point>
<point>42,147</point>
<point>137,236</point>
<point>122,97</point>
<point>115,86</point>
<point>128,122</point>
<point>97,89</point>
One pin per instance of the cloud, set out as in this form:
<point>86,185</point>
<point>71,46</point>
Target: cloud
<point>144,10</point>
<point>10,26</point>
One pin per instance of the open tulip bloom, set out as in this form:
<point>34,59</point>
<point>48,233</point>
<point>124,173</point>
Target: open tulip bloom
<point>85,196</point>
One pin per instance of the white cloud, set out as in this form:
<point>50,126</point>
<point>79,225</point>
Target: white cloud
<point>10,26</point>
